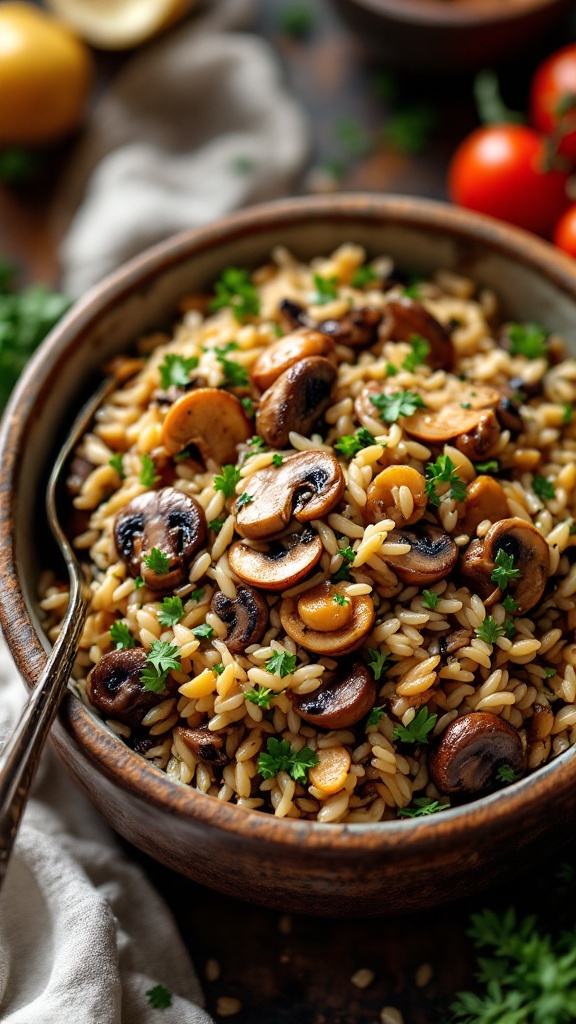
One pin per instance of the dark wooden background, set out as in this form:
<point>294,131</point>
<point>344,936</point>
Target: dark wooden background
<point>297,970</point>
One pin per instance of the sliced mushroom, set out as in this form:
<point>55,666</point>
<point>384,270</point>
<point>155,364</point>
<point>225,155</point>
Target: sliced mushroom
<point>293,315</point>
<point>282,564</point>
<point>472,749</point>
<point>432,556</point>
<point>287,351</point>
<point>406,317</point>
<point>542,722</point>
<point>509,415</point>
<point>531,556</point>
<point>347,638</point>
<point>167,520</point>
<point>397,493</point>
<point>115,688</point>
<point>480,442</point>
<point>450,421</point>
<point>295,401</point>
<point>341,701</point>
<point>452,642</point>
<point>485,499</point>
<point>207,746</point>
<point>357,329</point>
<point>211,419</point>
<point>246,616</point>
<point>307,485</point>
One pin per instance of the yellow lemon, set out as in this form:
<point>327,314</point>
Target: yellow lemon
<point>120,24</point>
<point>45,76</point>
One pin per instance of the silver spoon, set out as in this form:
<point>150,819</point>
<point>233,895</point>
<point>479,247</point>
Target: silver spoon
<point>21,752</point>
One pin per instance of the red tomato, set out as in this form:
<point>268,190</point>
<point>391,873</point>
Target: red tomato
<point>565,232</point>
<point>498,170</point>
<point>553,98</point>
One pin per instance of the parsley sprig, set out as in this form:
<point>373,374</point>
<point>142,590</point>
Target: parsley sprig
<point>543,488</point>
<point>363,276</point>
<point>417,730</point>
<point>234,375</point>
<point>504,571</point>
<point>489,630</point>
<point>281,664</point>
<point>157,561</point>
<point>378,662</point>
<point>528,340</point>
<point>162,658</point>
<point>420,348</point>
<point>175,370</point>
<point>261,695</point>
<point>350,444</point>
<point>422,806</point>
<point>227,480</point>
<point>400,403</point>
<point>148,475</point>
<point>443,471</point>
<point>326,289</point>
<point>236,290</point>
<point>281,758</point>
<point>171,611</point>
<point>121,636</point>
<point>375,715</point>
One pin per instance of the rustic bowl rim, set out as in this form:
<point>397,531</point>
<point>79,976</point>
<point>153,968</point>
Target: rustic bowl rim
<point>453,14</point>
<point>504,809</point>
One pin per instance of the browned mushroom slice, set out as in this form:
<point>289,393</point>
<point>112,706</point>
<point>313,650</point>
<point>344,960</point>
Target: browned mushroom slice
<point>480,442</point>
<point>211,419</point>
<point>357,329</point>
<point>307,485</point>
<point>282,354</point>
<point>405,317</point>
<point>341,701</point>
<point>530,557</point>
<point>295,401</point>
<point>432,556</point>
<point>397,493</point>
<point>450,421</point>
<point>208,747</point>
<point>293,315</point>
<point>455,641</point>
<point>246,616</point>
<point>485,499</point>
<point>359,619</point>
<point>471,751</point>
<point>115,688</point>
<point>282,564</point>
<point>167,520</point>
<point>509,415</point>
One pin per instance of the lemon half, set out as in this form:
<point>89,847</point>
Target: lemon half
<point>119,24</point>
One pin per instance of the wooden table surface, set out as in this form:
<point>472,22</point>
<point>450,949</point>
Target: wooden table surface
<point>297,970</point>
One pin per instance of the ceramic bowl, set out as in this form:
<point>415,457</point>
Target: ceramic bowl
<point>330,869</point>
<point>450,35</point>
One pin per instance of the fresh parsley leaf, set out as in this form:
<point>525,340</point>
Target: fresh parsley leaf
<point>364,275</point>
<point>504,571</point>
<point>430,599</point>
<point>350,444</point>
<point>342,575</point>
<point>567,412</point>
<point>378,662</point>
<point>235,376</point>
<point>186,453</point>
<point>257,443</point>
<point>157,561</point>
<point>175,370</point>
<point>216,525</point>
<point>248,405</point>
<point>505,773</point>
<point>326,289</point>
<point>400,403</point>
<point>420,348</point>
<point>162,657</point>
<point>160,998</point>
<point>117,463</point>
<point>171,611</point>
<point>297,20</point>
<point>25,320</point>
<point>443,471</point>
<point>244,499</point>
<point>236,290</point>
<point>348,553</point>
<point>277,460</point>
<point>528,340</point>
<point>341,600</point>
<point>261,695</point>
<point>509,604</point>
<point>281,758</point>
<point>121,636</point>
<point>489,630</point>
<point>203,632</point>
<point>148,475</point>
<point>391,370</point>
<point>375,716</point>
<point>423,805</point>
<point>197,595</point>
<point>465,405</point>
<point>281,664</point>
<point>226,482</point>
<point>491,466</point>
<point>138,582</point>
<point>418,729</point>
<point>542,488</point>
<point>509,628</point>
<point>218,669</point>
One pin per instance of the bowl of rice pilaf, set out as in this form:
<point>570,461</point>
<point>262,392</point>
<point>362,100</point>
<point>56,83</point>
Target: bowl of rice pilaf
<point>327,515</point>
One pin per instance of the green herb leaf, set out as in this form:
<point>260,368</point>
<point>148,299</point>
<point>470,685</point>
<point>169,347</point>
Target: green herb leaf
<point>218,669</point>
<point>504,571</point>
<point>257,443</point>
<point>489,630</point>
<point>567,412</point>
<point>235,376</point>
<point>443,471</point>
<point>148,475</point>
<point>248,405</point>
<point>341,600</point>
<point>430,599</point>
<point>391,370</point>
<point>281,664</point>
<point>171,611</point>
<point>216,525</point>
<point>117,463</point>
<point>157,562</point>
<point>175,370</point>
<point>236,290</point>
<point>262,696</point>
<point>277,460</point>
<point>162,657</point>
<point>138,582</point>
<point>226,482</point>
<point>244,499</point>
<point>423,805</point>
<point>417,357</point>
<point>378,662</point>
<point>505,773</point>
<point>550,671</point>
<point>491,466</point>
<point>542,488</point>
<point>509,604</point>
<point>203,632</point>
<point>364,275</point>
<point>25,320</point>
<point>400,403</point>
<point>197,595</point>
<point>326,289</point>
<point>160,998</point>
<point>121,636</point>
<point>374,716</point>
<point>418,729</point>
<point>350,444</point>
<point>281,758</point>
<point>297,20</point>
<point>528,340</point>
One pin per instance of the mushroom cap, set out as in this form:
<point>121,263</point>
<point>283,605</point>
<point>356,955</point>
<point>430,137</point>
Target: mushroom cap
<point>114,686</point>
<point>290,349</point>
<point>480,442</point>
<point>295,400</point>
<point>485,499</point>
<point>210,418</point>
<point>470,752</point>
<point>207,746</point>
<point>307,485</point>
<point>450,421</point>
<point>531,556</point>
<point>246,616</point>
<point>358,328</point>
<point>341,641</point>
<point>432,556</point>
<point>405,317</point>
<point>283,564</point>
<point>168,520</point>
<point>341,701</point>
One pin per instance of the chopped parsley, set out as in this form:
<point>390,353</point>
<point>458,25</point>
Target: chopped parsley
<point>364,275</point>
<point>417,730</point>
<point>491,466</point>
<point>341,600</point>
<point>203,632</point>
<point>549,671</point>
<point>542,488</point>
<point>509,604</point>
<point>420,348</point>
<point>248,406</point>
<point>567,412</point>
<point>157,561</point>
<point>236,290</point>
<point>257,443</point>
<point>148,475</point>
<point>121,636</point>
<point>277,460</point>
<point>138,582</point>
<point>527,340</point>
<point>281,664</point>
<point>326,289</point>
<point>244,499</point>
<point>400,403</point>
<point>175,370</point>
<point>197,595</point>
<point>443,471</point>
<point>489,630</point>
<point>390,370</point>
<point>281,758</point>
<point>504,571</point>
<point>186,453</point>
<point>160,998</point>
<point>350,444</point>
<point>162,657</point>
<point>235,376</point>
<point>378,662</point>
<point>342,575</point>
<point>227,480</point>
<point>171,611</point>
<point>262,696</point>
<point>216,525</point>
<point>423,805</point>
<point>375,716</point>
<point>505,773</point>
<point>430,599</point>
<point>117,463</point>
